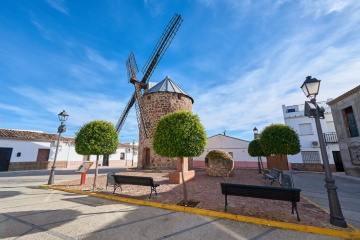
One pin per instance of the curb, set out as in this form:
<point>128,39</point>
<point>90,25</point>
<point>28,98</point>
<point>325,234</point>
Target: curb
<point>260,221</point>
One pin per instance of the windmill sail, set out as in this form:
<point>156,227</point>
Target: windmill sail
<point>150,65</point>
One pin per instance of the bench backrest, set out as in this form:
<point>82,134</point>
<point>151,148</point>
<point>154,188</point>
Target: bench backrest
<point>275,172</point>
<point>110,178</point>
<point>286,181</point>
<point>268,192</point>
<point>135,180</point>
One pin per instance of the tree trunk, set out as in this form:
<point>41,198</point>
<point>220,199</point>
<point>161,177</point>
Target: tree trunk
<point>184,183</point>
<point>96,172</point>
<point>262,165</point>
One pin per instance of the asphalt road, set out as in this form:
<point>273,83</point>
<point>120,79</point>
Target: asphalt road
<point>30,212</point>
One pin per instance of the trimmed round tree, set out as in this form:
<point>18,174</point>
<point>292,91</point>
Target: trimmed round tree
<point>279,139</point>
<point>96,138</point>
<point>255,150</point>
<point>180,134</point>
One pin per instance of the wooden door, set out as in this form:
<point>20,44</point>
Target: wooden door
<point>43,155</point>
<point>105,160</point>
<point>5,156</point>
<point>276,162</point>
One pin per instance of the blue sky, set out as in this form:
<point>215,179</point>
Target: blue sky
<point>239,60</point>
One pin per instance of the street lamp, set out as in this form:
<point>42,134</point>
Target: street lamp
<point>256,136</point>
<point>62,128</point>
<point>310,88</point>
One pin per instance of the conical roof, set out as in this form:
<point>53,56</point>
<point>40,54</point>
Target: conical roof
<point>168,85</point>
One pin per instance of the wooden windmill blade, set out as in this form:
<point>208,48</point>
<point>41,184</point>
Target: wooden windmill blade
<point>166,38</point>
<point>124,114</point>
<point>159,50</point>
<point>131,66</point>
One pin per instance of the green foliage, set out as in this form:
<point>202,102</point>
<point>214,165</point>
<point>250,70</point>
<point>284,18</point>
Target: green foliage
<point>179,134</point>
<point>97,138</point>
<point>255,149</point>
<point>219,154</point>
<point>279,139</point>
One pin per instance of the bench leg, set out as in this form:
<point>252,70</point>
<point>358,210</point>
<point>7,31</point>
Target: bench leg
<point>226,201</point>
<point>153,189</point>
<point>116,186</point>
<point>292,210</point>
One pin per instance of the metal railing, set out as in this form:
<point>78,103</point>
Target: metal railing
<point>330,137</point>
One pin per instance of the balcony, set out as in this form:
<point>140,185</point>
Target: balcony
<point>330,137</point>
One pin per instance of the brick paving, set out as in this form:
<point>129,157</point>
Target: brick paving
<point>206,190</point>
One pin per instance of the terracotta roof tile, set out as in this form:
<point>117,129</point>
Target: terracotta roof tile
<point>30,135</point>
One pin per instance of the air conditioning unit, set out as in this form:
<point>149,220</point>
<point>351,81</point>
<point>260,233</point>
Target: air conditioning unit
<point>315,144</point>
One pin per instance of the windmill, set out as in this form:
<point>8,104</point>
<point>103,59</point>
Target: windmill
<point>148,69</point>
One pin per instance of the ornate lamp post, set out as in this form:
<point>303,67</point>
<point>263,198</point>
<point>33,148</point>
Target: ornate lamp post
<point>310,88</point>
<point>256,136</point>
<point>62,128</point>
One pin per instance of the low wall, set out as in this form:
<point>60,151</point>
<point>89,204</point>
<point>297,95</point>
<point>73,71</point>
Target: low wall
<point>314,167</point>
<point>21,166</point>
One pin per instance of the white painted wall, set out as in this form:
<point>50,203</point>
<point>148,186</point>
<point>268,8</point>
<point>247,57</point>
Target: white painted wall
<point>29,150</point>
<point>294,119</point>
<point>66,152</point>
<point>238,147</point>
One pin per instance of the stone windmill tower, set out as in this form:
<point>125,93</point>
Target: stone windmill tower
<point>163,98</point>
<point>146,119</point>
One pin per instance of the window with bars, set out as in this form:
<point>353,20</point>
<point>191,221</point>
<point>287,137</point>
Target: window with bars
<point>311,157</point>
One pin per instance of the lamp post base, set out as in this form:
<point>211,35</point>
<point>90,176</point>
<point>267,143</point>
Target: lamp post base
<point>336,216</point>
<point>51,177</point>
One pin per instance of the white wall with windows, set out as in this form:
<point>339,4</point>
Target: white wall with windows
<point>310,148</point>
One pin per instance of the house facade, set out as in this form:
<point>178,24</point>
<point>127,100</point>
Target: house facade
<point>33,150</point>
<point>236,147</point>
<point>346,112</point>
<point>309,158</point>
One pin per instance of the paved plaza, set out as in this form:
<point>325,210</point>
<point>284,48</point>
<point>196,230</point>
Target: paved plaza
<point>30,212</point>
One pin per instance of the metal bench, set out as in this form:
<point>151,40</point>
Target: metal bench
<point>110,179</point>
<point>273,176</point>
<point>286,180</point>
<point>134,180</point>
<point>275,193</point>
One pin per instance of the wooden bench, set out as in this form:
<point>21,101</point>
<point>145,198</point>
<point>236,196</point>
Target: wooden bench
<point>275,193</point>
<point>135,180</point>
<point>273,175</point>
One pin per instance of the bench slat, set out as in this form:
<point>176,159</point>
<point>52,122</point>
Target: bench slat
<point>266,192</point>
<point>135,180</point>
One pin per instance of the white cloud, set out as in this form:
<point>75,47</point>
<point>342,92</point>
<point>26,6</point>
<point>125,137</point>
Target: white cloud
<point>59,5</point>
<point>96,58</point>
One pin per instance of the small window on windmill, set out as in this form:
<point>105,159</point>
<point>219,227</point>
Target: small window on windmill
<point>179,96</point>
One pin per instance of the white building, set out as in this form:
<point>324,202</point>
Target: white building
<point>236,147</point>
<point>30,150</point>
<point>310,156</point>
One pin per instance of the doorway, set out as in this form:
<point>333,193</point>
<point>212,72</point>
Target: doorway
<point>5,156</point>
<point>147,158</point>
<point>43,155</point>
<point>338,161</point>
<point>105,160</point>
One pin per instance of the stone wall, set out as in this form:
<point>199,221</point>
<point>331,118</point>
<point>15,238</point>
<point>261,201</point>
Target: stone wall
<point>20,166</point>
<point>314,167</point>
<point>157,105</point>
